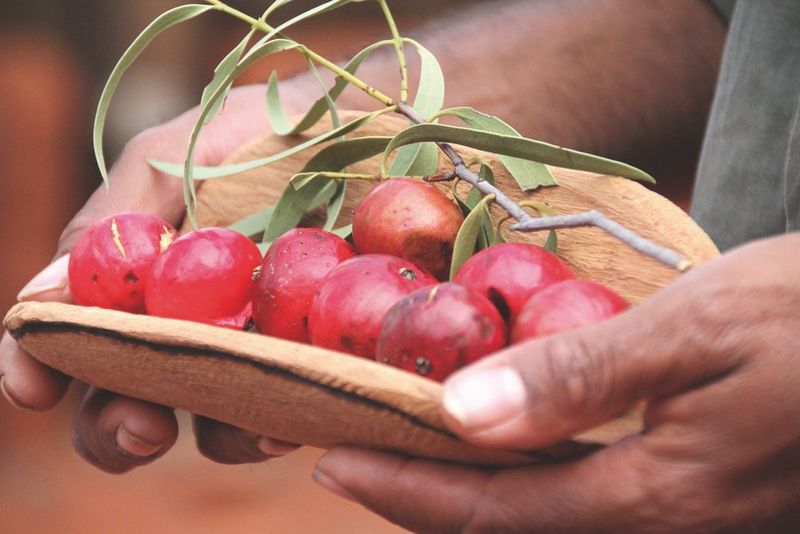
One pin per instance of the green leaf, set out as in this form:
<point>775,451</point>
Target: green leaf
<point>518,147</point>
<point>278,120</point>
<point>222,77</point>
<point>335,205</point>
<point>255,53</point>
<point>293,203</point>
<point>344,232</point>
<point>254,223</point>
<point>467,238</point>
<point>528,174</point>
<point>209,173</point>
<point>421,159</point>
<point>430,92</point>
<point>166,20</point>
<point>321,106</point>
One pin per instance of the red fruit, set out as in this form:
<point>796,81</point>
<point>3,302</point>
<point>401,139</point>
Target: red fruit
<point>564,306</point>
<point>438,329</point>
<point>409,219</point>
<point>205,276</point>
<point>108,265</point>
<point>291,273</point>
<point>510,273</point>
<point>348,310</point>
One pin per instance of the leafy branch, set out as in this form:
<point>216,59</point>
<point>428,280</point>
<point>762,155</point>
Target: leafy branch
<point>322,180</point>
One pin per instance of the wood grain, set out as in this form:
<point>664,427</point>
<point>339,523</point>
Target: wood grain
<point>318,397</point>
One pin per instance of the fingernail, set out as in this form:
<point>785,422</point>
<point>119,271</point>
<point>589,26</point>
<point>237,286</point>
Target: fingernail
<point>484,399</point>
<point>274,447</point>
<point>134,445</point>
<point>331,485</point>
<point>11,400</point>
<point>52,278</point>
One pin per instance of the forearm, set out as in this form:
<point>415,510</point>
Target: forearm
<point>624,78</point>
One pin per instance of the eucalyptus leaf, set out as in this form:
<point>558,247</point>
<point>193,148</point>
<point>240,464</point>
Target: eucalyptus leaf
<point>253,224</point>
<point>321,106</point>
<point>344,232</point>
<point>421,159</point>
<point>335,205</point>
<point>255,53</point>
<point>222,77</point>
<point>209,173</point>
<point>518,147</point>
<point>278,120</point>
<point>528,174</point>
<point>430,93</point>
<point>467,238</point>
<point>164,21</point>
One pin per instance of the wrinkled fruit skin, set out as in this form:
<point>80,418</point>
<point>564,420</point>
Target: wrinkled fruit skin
<point>438,329</point>
<point>108,266</point>
<point>510,273</point>
<point>291,274</point>
<point>409,219</point>
<point>564,306</point>
<point>347,312</point>
<point>205,276</point>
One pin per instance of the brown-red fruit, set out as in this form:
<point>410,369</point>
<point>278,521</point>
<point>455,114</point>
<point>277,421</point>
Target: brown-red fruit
<point>511,273</point>
<point>109,264</point>
<point>410,219</point>
<point>291,273</point>
<point>347,312</point>
<point>436,330</point>
<point>564,306</point>
<point>205,276</point>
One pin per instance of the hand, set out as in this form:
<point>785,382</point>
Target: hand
<point>717,358</point>
<point>113,432</point>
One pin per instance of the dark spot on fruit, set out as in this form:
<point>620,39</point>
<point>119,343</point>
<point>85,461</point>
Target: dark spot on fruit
<point>499,302</point>
<point>445,249</point>
<point>423,365</point>
<point>131,278</point>
<point>485,327</point>
<point>347,342</point>
<point>408,274</point>
<point>305,321</point>
<point>94,278</point>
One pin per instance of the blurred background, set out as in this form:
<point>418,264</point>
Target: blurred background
<point>54,57</point>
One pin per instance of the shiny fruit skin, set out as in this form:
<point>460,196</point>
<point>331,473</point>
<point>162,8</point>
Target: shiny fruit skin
<point>348,310</point>
<point>564,306</point>
<point>291,273</point>
<point>109,264</point>
<point>205,276</point>
<point>436,330</point>
<point>510,273</point>
<point>409,219</point>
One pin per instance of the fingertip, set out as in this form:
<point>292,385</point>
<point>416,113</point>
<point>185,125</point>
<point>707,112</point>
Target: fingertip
<point>117,434</point>
<point>26,383</point>
<point>51,284</point>
<point>227,444</point>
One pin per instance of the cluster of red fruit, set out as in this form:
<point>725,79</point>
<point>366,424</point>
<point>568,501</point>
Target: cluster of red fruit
<point>386,303</point>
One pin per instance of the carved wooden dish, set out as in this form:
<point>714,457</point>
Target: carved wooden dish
<point>317,397</point>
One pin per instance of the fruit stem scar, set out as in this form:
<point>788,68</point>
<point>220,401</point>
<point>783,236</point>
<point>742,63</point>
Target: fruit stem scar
<point>116,238</point>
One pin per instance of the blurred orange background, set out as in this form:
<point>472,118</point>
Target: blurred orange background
<point>53,60</point>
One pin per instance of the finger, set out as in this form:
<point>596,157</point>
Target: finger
<point>543,391</point>
<point>599,492</point>
<point>117,434</point>
<point>228,444</point>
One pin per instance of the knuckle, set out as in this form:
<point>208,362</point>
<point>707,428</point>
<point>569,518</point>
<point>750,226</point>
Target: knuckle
<point>578,376</point>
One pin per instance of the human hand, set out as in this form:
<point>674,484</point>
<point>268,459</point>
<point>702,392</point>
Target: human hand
<point>717,358</point>
<point>113,432</point>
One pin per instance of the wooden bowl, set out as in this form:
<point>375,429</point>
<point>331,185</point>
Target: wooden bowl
<point>318,397</point>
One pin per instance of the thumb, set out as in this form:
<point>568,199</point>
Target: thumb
<point>543,391</point>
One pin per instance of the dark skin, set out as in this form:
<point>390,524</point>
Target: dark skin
<point>713,354</point>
